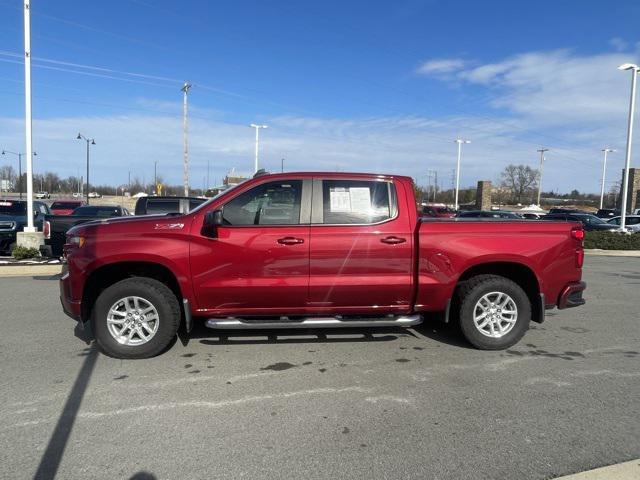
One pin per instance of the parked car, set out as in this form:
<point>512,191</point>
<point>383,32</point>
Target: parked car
<point>589,222</point>
<point>438,211</point>
<point>13,219</point>
<point>566,210</point>
<point>632,222</point>
<point>42,195</point>
<point>607,213</point>
<point>55,227</point>
<point>94,195</point>
<point>489,214</point>
<point>76,195</point>
<point>531,215</point>
<point>65,207</point>
<point>164,205</point>
<point>315,250</point>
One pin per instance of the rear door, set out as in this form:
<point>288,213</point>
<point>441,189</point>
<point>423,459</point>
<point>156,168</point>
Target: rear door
<point>361,248</point>
<point>258,262</point>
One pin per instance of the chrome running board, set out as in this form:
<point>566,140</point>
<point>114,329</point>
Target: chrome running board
<point>233,323</point>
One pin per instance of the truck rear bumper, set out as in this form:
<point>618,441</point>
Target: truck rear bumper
<point>72,308</point>
<point>571,295</point>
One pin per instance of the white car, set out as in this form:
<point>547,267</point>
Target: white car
<point>94,195</point>
<point>632,222</point>
<point>76,195</point>
<point>42,195</point>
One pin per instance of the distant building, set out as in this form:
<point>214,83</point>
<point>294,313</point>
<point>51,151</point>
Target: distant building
<point>232,179</point>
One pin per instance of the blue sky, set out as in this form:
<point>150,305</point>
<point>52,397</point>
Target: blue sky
<point>372,86</point>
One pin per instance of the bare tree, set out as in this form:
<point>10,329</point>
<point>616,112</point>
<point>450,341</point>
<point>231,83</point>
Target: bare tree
<point>520,179</point>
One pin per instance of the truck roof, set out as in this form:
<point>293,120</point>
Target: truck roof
<point>337,175</point>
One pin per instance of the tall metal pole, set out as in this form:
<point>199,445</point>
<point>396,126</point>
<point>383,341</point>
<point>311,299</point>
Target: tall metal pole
<point>459,141</point>
<point>185,131</point>
<point>28,122</point>
<point>627,163</point>
<point>257,127</point>
<point>208,185</point>
<point>541,150</point>
<point>155,176</point>
<point>604,171</point>
<point>20,174</point>
<point>282,165</point>
<point>87,192</point>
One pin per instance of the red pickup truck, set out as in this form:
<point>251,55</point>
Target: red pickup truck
<point>313,250</point>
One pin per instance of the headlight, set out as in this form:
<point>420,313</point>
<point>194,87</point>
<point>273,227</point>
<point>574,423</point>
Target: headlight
<point>76,240</point>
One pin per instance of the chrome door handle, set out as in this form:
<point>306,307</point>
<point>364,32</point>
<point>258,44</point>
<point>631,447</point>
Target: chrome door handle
<point>393,240</point>
<point>290,241</point>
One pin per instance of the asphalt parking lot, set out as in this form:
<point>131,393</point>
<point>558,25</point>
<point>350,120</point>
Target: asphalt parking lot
<point>387,404</point>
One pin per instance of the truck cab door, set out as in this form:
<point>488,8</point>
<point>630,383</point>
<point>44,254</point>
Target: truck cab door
<point>361,258</point>
<point>257,260</point>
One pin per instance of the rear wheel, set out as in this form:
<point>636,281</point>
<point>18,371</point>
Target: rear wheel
<point>494,312</point>
<point>135,318</point>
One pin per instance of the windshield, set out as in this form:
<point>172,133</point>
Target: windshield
<point>591,219</point>
<point>13,208</point>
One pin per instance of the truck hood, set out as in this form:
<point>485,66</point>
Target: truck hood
<point>144,223</point>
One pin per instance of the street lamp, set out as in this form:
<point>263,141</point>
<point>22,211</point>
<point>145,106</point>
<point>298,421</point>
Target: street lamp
<point>604,171</point>
<point>257,127</point>
<point>90,141</point>
<point>459,141</point>
<point>542,152</point>
<point>632,101</point>
<point>19,155</point>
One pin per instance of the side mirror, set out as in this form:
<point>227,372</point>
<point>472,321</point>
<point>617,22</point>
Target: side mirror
<point>212,220</point>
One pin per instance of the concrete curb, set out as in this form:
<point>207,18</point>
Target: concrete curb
<point>29,270</point>
<point>612,253</point>
<point>621,471</point>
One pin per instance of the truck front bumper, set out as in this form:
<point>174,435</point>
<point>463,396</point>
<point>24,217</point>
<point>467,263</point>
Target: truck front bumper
<point>72,308</point>
<point>571,295</point>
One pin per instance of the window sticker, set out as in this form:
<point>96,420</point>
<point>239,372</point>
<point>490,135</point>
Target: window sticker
<point>340,200</point>
<point>360,198</point>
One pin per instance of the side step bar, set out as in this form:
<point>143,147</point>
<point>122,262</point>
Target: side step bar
<point>233,323</point>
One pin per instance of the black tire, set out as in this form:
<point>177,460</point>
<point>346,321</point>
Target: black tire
<point>153,291</point>
<point>472,290</point>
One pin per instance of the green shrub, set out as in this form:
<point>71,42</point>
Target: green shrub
<point>22,253</point>
<point>612,240</point>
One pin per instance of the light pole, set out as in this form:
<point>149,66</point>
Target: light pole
<point>282,165</point>
<point>30,228</point>
<point>632,102</point>
<point>459,141</point>
<point>604,171</point>
<point>155,176</point>
<point>541,150</point>
<point>90,141</point>
<point>185,134</point>
<point>19,155</point>
<point>257,127</point>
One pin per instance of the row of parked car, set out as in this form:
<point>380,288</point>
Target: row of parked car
<point>605,219</point>
<point>56,219</point>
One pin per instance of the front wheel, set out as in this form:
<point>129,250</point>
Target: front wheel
<point>494,312</point>
<point>135,318</point>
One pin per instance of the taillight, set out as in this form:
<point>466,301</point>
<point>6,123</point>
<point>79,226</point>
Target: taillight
<point>46,229</point>
<point>578,235</point>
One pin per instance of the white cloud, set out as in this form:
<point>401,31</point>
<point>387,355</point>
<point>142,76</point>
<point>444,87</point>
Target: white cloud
<point>441,66</point>
<point>619,44</point>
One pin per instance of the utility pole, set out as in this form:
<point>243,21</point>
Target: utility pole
<point>155,176</point>
<point>257,127</point>
<point>27,107</point>
<point>627,163</point>
<point>185,131</point>
<point>282,165</point>
<point>604,171</point>
<point>459,141</point>
<point>435,191</point>
<point>541,150</point>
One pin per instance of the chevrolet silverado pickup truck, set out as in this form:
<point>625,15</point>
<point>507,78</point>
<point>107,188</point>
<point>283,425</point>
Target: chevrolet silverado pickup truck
<point>315,250</point>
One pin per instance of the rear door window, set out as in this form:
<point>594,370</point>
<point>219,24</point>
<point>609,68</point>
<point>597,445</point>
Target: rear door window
<point>347,202</point>
<point>163,206</point>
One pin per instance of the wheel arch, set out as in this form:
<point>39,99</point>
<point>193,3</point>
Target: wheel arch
<point>517,272</point>
<point>106,275</point>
